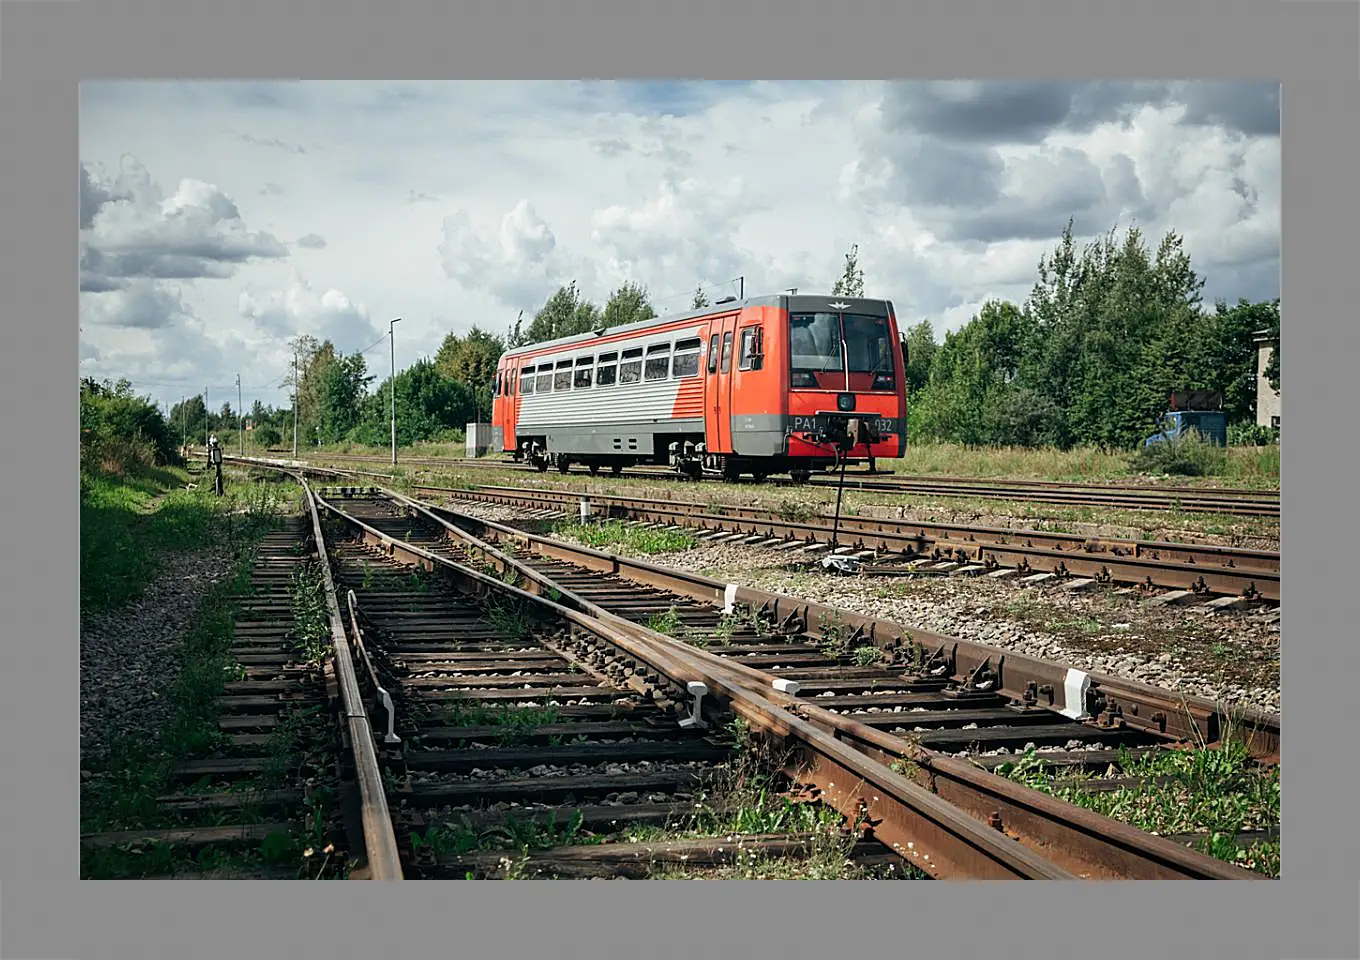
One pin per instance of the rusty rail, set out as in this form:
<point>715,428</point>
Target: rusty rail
<point>951,843</point>
<point>380,842</point>
<point>1202,569</point>
<point>1089,844</point>
<point>1223,500</point>
<point>1025,678</point>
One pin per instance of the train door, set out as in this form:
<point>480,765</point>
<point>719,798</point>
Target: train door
<point>510,398</point>
<point>718,385</point>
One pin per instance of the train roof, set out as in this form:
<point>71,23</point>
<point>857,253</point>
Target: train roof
<point>794,304</point>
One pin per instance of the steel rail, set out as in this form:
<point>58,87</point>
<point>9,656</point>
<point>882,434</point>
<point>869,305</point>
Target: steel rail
<point>1206,569</point>
<point>380,842</point>
<point>1115,700</point>
<point>1086,842</point>
<point>1225,500</point>
<point>1152,709</point>
<point>1202,569</point>
<point>952,843</point>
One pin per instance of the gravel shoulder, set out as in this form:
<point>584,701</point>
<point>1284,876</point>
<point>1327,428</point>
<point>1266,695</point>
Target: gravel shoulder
<point>129,658</point>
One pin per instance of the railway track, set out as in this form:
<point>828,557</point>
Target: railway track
<point>275,784</point>
<point>498,699</point>
<point>1231,575</point>
<point>1073,842</point>
<point>1227,501</point>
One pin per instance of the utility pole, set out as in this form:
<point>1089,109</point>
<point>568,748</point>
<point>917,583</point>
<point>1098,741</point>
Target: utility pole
<point>184,420</point>
<point>392,384</point>
<point>295,402</point>
<point>207,417</point>
<point>240,421</point>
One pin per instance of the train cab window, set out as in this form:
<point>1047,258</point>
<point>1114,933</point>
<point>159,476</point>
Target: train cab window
<point>727,352</point>
<point>562,377</point>
<point>630,370</point>
<point>750,357</point>
<point>686,358</point>
<point>544,382</point>
<point>585,369</point>
<point>658,362</point>
<point>713,353</point>
<point>608,370</point>
<point>526,381</point>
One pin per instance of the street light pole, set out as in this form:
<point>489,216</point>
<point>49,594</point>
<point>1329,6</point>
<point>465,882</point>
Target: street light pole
<point>392,384</point>
<point>240,418</point>
<point>295,402</point>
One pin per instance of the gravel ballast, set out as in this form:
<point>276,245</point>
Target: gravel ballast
<point>1231,657</point>
<point>129,658</point>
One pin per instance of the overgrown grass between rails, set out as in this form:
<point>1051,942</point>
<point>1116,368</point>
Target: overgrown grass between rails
<point>615,533</point>
<point>1216,793</point>
<point>311,616</point>
<point>742,797</point>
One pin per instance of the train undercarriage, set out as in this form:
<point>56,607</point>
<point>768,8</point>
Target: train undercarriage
<point>689,459</point>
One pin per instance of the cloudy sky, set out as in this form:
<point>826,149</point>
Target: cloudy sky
<point>219,219</point>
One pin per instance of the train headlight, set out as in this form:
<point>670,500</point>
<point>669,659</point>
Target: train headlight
<point>845,402</point>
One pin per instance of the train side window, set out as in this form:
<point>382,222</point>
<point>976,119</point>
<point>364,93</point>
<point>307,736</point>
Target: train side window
<point>526,381</point>
<point>713,354</point>
<point>585,368</point>
<point>630,370</point>
<point>544,383</point>
<point>727,352</point>
<point>562,377</point>
<point>686,358</point>
<point>750,358</point>
<point>608,370</point>
<point>658,362</point>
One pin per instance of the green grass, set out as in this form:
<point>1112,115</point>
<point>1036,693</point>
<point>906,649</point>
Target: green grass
<point>615,533</point>
<point>311,618</point>
<point>1217,793</point>
<point>1238,466</point>
<point>129,524</point>
<point>132,526</point>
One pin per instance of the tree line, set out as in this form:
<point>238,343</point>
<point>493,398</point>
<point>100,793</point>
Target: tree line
<point>1089,358</point>
<point>1092,355</point>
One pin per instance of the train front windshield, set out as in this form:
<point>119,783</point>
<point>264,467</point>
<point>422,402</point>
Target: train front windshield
<point>840,351</point>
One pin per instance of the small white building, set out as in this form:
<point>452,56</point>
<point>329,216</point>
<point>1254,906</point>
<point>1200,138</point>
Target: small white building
<point>478,440</point>
<point>1267,397</point>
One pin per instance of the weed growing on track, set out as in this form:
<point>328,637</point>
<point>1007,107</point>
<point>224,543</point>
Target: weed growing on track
<point>742,797</point>
<point>510,618</point>
<point>311,617</point>
<point>669,624</point>
<point>615,533</point>
<point>1216,794</point>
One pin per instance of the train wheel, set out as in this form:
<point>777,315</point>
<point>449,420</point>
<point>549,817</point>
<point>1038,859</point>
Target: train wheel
<point>761,476</point>
<point>563,465</point>
<point>594,469</point>
<point>616,469</point>
<point>542,465</point>
<point>800,476</point>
